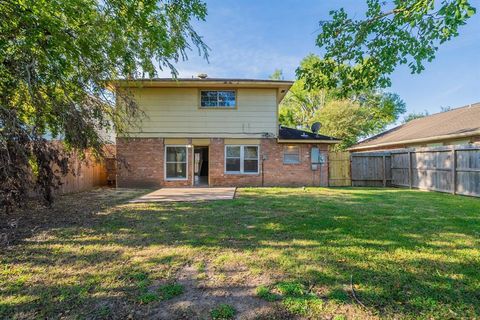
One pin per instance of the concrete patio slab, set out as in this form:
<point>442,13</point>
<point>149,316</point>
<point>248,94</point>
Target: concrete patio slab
<point>186,195</point>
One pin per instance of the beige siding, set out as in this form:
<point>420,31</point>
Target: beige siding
<point>175,112</point>
<point>242,141</point>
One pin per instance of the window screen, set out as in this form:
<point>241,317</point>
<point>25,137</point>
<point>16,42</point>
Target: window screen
<point>291,155</point>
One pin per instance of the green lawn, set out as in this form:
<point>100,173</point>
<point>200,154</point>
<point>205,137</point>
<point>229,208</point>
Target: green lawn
<point>273,252</point>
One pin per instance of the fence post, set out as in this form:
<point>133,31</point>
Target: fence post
<point>410,169</point>
<point>384,171</point>
<point>454,170</point>
<point>350,158</point>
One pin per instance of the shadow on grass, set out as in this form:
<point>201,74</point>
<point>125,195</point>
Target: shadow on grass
<point>409,252</point>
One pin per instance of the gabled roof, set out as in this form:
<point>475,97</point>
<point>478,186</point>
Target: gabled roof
<point>456,123</point>
<point>282,86</point>
<point>300,136</point>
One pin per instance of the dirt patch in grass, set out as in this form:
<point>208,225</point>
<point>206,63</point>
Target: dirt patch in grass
<point>35,219</point>
<point>233,286</point>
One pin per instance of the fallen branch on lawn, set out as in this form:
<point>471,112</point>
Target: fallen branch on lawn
<point>354,295</point>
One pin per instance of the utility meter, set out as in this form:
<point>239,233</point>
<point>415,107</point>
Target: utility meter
<point>316,158</point>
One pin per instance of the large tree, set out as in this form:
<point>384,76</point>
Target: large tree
<point>361,54</point>
<point>55,59</point>
<point>348,118</point>
<point>414,115</point>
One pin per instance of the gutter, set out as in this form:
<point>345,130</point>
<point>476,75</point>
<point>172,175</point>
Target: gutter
<point>308,141</point>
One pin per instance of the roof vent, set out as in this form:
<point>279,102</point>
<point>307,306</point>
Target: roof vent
<point>304,135</point>
<point>202,75</point>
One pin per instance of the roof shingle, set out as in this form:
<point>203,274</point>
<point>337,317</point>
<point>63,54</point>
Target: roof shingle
<point>459,121</point>
<point>285,133</point>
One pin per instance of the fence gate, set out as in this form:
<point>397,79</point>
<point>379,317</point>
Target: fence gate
<point>339,169</point>
<point>371,169</point>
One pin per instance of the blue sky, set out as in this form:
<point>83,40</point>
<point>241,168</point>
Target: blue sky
<point>250,39</point>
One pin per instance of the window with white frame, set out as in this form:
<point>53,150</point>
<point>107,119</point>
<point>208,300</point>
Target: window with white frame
<point>241,159</point>
<point>176,162</point>
<point>218,99</point>
<point>291,155</point>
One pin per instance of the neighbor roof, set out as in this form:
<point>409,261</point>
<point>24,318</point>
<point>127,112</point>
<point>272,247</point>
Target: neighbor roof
<point>300,136</point>
<point>456,123</point>
<point>281,85</point>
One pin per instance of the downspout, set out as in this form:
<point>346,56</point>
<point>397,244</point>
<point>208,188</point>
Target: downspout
<point>263,175</point>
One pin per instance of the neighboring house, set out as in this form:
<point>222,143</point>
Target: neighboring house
<point>454,127</point>
<point>216,132</point>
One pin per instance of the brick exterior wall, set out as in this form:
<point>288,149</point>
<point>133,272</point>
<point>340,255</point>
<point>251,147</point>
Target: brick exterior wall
<point>144,164</point>
<point>279,174</point>
<point>145,156</point>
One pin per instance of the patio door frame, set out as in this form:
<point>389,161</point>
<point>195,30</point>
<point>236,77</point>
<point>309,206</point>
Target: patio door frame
<point>193,163</point>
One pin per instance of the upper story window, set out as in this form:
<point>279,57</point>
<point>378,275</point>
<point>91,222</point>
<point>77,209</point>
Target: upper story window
<point>218,99</point>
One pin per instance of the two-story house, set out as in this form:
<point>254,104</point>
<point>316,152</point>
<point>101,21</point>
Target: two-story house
<point>216,132</point>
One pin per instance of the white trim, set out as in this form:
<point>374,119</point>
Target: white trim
<point>165,162</point>
<point>242,159</point>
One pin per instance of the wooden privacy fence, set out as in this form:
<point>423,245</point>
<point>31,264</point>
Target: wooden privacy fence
<point>454,169</point>
<point>339,169</point>
<point>371,169</point>
<point>88,173</point>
